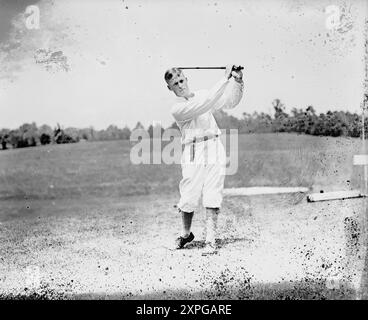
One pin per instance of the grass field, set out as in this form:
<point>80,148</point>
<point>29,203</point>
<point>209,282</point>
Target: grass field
<point>81,221</point>
<point>103,169</point>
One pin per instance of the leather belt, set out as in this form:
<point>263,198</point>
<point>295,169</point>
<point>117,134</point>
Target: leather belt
<point>201,139</point>
<point>196,140</point>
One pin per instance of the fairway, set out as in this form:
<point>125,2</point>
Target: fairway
<point>104,169</point>
<point>85,222</point>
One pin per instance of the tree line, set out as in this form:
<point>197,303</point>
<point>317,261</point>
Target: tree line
<point>29,135</point>
<point>306,121</point>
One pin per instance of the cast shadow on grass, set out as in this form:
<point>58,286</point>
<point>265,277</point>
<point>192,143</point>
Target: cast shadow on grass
<point>200,244</point>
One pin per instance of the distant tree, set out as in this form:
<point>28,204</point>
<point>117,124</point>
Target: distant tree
<point>333,124</point>
<point>61,137</point>
<point>85,134</point>
<point>226,121</point>
<point>354,128</point>
<point>45,129</point>
<point>139,125</point>
<point>29,133</point>
<point>125,133</point>
<point>3,143</point>
<point>73,133</point>
<point>246,123</point>
<point>259,122</point>
<point>45,139</point>
<point>92,133</point>
<point>319,127</point>
<point>310,120</point>
<point>25,136</point>
<point>279,108</point>
<point>280,124</point>
<point>16,139</point>
<point>112,132</point>
<point>4,138</point>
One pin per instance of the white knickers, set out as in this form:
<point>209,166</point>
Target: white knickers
<point>203,173</point>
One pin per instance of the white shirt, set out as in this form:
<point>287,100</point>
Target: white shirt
<point>194,115</point>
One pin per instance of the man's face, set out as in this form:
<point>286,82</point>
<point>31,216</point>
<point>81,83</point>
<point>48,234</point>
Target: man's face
<point>179,84</point>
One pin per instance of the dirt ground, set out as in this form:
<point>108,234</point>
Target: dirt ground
<point>274,247</point>
<point>80,221</point>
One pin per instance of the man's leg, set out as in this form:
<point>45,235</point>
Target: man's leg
<point>212,190</point>
<point>187,218</point>
<point>211,225</point>
<point>211,231</point>
<point>187,235</point>
<point>190,192</point>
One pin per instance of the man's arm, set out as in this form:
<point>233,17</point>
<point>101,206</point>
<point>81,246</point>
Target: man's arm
<point>232,94</point>
<point>185,111</point>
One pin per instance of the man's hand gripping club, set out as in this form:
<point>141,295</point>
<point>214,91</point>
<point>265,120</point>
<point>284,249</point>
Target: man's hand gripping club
<point>234,71</point>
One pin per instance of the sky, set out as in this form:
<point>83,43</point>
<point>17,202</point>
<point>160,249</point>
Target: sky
<point>96,63</point>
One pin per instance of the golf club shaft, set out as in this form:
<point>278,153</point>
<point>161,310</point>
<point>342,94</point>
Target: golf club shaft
<point>212,68</point>
<point>202,68</point>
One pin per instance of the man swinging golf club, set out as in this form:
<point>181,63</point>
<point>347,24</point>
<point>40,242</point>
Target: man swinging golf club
<point>203,159</point>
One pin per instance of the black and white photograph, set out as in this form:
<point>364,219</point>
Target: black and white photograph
<point>202,151</point>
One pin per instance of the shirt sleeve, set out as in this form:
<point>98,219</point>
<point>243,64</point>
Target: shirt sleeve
<point>192,108</point>
<point>231,97</point>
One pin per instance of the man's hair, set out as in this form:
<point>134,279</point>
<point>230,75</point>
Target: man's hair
<point>171,72</point>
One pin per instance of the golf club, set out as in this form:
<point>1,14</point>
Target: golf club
<point>212,68</point>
